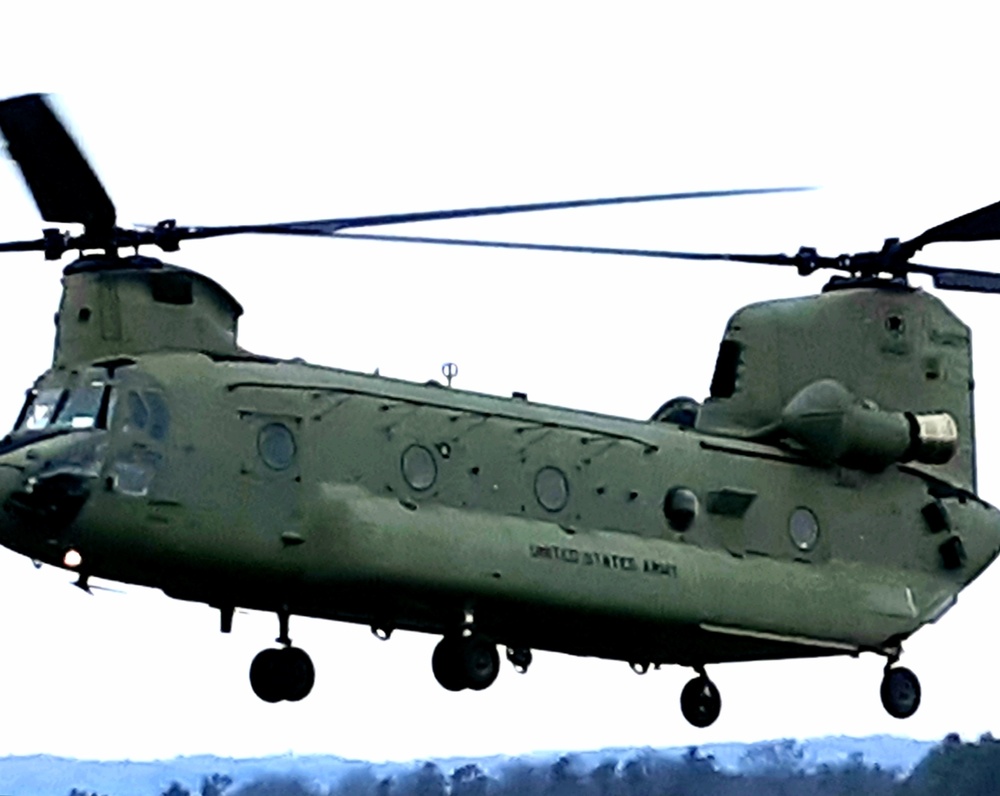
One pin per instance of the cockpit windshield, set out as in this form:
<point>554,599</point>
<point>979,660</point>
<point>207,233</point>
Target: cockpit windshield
<point>84,406</point>
<point>40,409</point>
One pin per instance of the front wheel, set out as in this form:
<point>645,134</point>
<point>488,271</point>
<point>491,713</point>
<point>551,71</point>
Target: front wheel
<point>265,675</point>
<point>480,662</point>
<point>282,674</point>
<point>299,673</point>
<point>461,662</point>
<point>444,663</point>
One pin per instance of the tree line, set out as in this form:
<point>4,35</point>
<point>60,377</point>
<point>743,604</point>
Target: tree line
<point>953,767</point>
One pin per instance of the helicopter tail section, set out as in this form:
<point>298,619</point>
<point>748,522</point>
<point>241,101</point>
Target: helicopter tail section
<point>860,377</point>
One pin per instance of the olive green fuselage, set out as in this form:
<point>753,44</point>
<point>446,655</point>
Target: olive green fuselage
<point>409,506</point>
<point>821,501</point>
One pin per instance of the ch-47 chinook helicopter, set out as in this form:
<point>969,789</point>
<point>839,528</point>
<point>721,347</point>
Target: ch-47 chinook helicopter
<point>821,501</point>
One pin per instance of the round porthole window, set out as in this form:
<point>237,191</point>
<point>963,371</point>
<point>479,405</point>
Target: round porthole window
<point>551,489</point>
<point>680,507</point>
<point>419,468</point>
<point>276,446</point>
<point>803,528</point>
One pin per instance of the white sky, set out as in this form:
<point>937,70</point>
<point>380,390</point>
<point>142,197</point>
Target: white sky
<point>237,113</point>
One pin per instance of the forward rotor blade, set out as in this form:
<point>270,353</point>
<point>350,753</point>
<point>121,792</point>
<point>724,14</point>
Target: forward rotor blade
<point>23,246</point>
<point>981,224</point>
<point>64,186</point>
<point>764,259</point>
<point>333,225</point>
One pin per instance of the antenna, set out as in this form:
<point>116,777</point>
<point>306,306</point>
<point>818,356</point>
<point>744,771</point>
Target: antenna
<point>449,370</point>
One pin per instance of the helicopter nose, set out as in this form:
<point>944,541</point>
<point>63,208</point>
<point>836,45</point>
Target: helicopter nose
<point>37,509</point>
<point>11,477</point>
<point>49,499</point>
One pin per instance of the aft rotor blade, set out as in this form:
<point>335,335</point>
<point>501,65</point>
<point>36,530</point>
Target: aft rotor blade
<point>333,225</point>
<point>64,186</point>
<point>960,278</point>
<point>981,224</point>
<point>765,259</point>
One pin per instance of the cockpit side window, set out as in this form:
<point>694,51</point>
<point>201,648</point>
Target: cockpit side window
<point>147,412</point>
<point>138,412</point>
<point>159,417</point>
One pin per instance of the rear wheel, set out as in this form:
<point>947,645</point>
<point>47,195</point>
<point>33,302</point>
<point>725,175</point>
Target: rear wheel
<point>700,701</point>
<point>900,692</point>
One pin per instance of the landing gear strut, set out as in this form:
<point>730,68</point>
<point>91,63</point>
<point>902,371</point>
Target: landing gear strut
<point>700,700</point>
<point>520,658</point>
<point>900,691</point>
<point>461,662</point>
<point>285,674</point>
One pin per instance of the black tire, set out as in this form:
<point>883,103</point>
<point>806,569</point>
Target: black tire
<point>479,662</point>
<point>265,675</point>
<point>900,692</point>
<point>445,664</point>
<point>701,702</point>
<point>298,674</point>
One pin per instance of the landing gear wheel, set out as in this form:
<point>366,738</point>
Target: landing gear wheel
<point>282,674</point>
<point>900,692</point>
<point>265,675</point>
<point>461,662</point>
<point>444,663</point>
<point>480,662</point>
<point>299,673</point>
<point>700,701</point>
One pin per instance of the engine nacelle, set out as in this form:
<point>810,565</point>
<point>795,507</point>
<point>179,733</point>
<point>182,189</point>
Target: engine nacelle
<point>838,428</point>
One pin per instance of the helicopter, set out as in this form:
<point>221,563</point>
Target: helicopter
<point>821,501</point>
